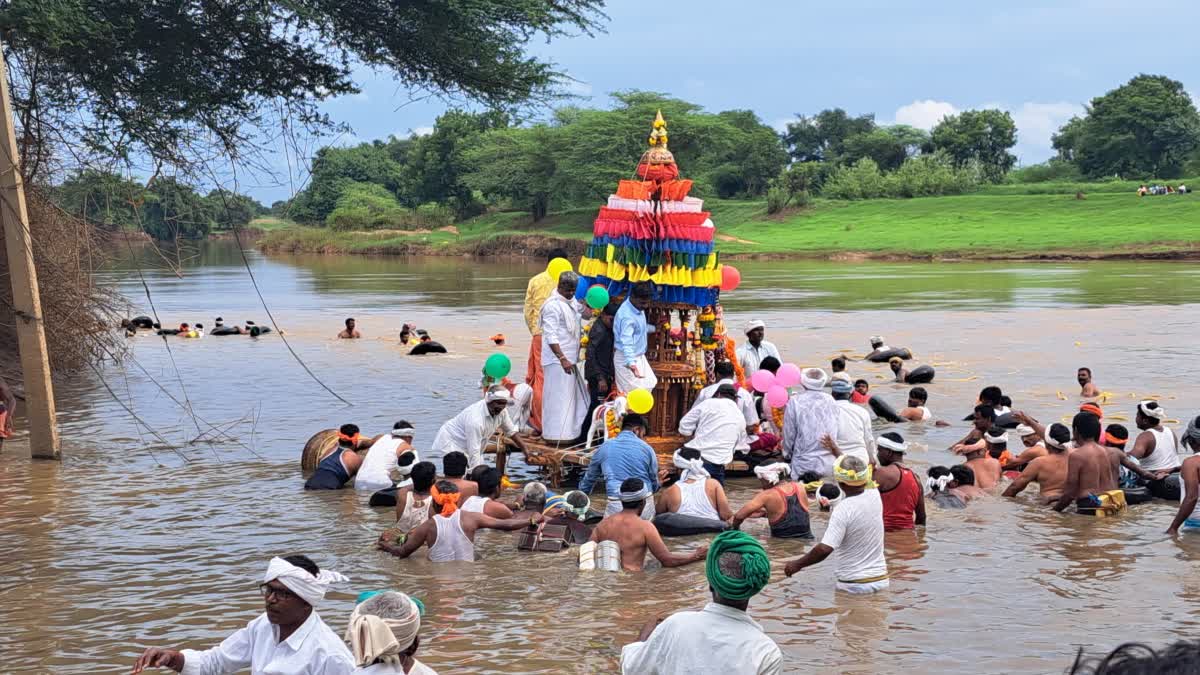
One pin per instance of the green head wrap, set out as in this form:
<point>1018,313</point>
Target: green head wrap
<point>756,566</point>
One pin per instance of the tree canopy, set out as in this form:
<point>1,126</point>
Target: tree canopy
<point>982,136</point>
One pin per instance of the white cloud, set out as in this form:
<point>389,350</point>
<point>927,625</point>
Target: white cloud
<point>1036,123</point>
<point>924,114</point>
<point>421,131</point>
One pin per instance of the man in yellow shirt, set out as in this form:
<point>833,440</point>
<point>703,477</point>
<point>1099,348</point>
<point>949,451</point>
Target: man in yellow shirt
<point>536,294</point>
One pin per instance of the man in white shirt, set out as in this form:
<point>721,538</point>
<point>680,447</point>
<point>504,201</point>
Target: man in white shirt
<point>289,638</point>
<point>755,349</point>
<point>724,372</point>
<point>469,431</point>
<point>717,428</point>
<point>855,531</point>
<point>721,638</point>
<point>564,393</point>
<point>854,436</point>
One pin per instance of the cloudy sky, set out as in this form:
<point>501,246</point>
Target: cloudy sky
<point>909,62</point>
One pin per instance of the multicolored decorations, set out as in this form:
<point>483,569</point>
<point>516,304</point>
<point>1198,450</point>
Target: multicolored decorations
<point>707,323</point>
<point>651,230</point>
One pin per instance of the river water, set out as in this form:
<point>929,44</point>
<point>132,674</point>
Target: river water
<point>143,537</point>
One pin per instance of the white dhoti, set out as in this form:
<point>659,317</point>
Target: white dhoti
<point>564,403</point>
<point>626,381</point>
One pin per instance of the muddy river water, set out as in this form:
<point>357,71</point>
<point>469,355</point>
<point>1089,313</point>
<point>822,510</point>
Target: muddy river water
<point>129,542</point>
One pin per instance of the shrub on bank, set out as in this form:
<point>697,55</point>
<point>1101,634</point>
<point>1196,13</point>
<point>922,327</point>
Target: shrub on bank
<point>924,176</point>
<point>368,206</point>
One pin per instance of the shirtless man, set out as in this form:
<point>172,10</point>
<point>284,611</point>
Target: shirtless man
<point>454,469</point>
<point>957,482</point>
<point>351,333</point>
<point>1031,432</point>
<point>635,536</point>
<point>445,512</point>
<point>898,369</point>
<point>1087,388</point>
<point>1049,470</point>
<point>1189,475</point>
<point>1092,471</point>
<point>981,420</point>
<point>985,467</point>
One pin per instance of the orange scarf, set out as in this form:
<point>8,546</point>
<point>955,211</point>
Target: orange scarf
<point>447,500</point>
<point>352,440</point>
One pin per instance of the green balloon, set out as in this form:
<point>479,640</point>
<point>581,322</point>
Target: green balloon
<point>497,366</point>
<point>597,297</point>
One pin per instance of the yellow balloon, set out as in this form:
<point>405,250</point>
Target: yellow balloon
<point>640,401</point>
<point>557,267</point>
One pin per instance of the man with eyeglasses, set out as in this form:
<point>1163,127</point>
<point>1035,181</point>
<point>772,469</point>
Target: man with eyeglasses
<point>289,637</point>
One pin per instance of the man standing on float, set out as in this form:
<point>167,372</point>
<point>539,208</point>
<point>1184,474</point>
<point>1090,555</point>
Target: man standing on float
<point>630,329</point>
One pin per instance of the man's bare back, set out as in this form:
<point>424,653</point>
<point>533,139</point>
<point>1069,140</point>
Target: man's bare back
<point>1091,470</point>
<point>635,536</point>
<point>1049,472</point>
<point>987,471</point>
<point>1089,390</point>
<point>967,492</point>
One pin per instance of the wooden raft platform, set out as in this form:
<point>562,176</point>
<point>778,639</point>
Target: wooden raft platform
<point>557,461</point>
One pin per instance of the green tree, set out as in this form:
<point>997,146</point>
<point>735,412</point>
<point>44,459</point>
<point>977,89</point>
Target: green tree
<point>365,206</point>
<point>982,136</point>
<point>435,165</point>
<point>101,197</point>
<point>516,164</point>
<point>1147,127</point>
<point>230,209</point>
<point>127,77</point>
<point>1066,141</point>
<point>820,138</point>
<point>334,167</point>
<point>173,210</point>
<point>885,149</point>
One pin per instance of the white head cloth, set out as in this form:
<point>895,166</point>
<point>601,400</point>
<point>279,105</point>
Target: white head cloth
<point>1157,412</point>
<point>498,394</point>
<point>772,472</point>
<point>1025,430</point>
<point>885,442</point>
<point>406,432</point>
<point>310,589</point>
<point>373,638</point>
<point>1050,439</point>
<point>691,467</point>
<point>752,324</point>
<point>937,484</point>
<point>876,339</point>
<point>813,379</point>
<point>995,440</point>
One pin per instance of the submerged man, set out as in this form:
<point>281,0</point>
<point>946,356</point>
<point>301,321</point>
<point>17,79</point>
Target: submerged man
<point>755,348</point>
<point>351,331</point>
<point>634,536</point>
<point>722,638</point>
<point>695,495</point>
<point>414,502</point>
<point>487,500</point>
<point>426,345</point>
<point>1087,388</point>
<point>916,410</point>
<point>454,469</point>
<point>339,466</point>
<point>450,533</point>
<point>1092,472</point>
<point>1049,470</point>
<point>630,329</point>
<point>564,394</point>
<point>536,293</point>
<point>469,431</point>
<point>289,637</point>
<point>954,486</point>
<point>899,488</point>
<point>782,502</point>
<point>855,533</point>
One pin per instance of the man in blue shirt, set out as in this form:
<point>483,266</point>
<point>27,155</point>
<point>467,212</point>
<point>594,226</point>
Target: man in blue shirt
<point>629,335</point>
<point>626,456</point>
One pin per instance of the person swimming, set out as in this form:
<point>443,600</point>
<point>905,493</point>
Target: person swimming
<point>426,345</point>
<point>952,487</point>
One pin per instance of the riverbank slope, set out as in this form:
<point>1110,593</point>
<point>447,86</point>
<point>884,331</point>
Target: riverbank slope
<point>977,226</point>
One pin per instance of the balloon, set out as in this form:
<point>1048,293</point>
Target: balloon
<point>777,396</point>
<point>497,366</point>
<point>557,267</point>
<point>581,289</point>
<point>730,277</point>
<point>640,401</point>
<point>788,375</point>
<point>762,380</point>
<point>597,297</point>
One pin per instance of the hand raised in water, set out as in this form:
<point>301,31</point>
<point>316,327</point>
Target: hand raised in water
<point>154,657</point>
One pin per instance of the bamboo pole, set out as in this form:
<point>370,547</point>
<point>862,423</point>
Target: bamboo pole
<point>31,335</point>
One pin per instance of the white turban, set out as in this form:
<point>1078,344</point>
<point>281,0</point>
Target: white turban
<point>1156,412</point>
<point>885,442</point>
<point>1025,430</point>
<point>752,324</point>
<point>772,472</point>
<point>1050,439</point>
<point>299,581</point>
<point>691,467</point>
<point>404,432</point>
<point>373,638</point>
<point>498,394</point>
<point>995,440</point>
<point>813,379</point>
<point>938,484</point>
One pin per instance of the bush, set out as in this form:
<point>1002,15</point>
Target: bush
<point>930,176</point>
<point>362,206</point>
<point>1053,170</point>
<point>862,180</point>
<point>777,199</point>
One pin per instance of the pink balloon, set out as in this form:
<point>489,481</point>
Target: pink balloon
<point>731,278</point>
<point>762,380</point>
<point>777,396</point>
<point>788,375</point>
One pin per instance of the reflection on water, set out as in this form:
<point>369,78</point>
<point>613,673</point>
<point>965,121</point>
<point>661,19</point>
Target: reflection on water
<point>128,543</point>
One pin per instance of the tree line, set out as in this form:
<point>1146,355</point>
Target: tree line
<point>471,162</point>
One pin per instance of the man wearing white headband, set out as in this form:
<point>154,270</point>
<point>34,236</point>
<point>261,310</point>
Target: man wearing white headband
<point>899,488</point>
<point>635,536</point>
<point>1156,447</point>
<point>1048,470</point>
<point>782,501</point>
<point>810,416</point>
<point>470,430</point>
<point>1031,432</point>
<point>385,454</point>
<point>695,503</point>
<point>288,638</point>
<point>383,635</point>
<point>751,353</point>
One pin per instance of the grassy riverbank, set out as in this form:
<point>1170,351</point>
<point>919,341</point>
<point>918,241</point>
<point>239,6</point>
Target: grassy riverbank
<point>985,225</point>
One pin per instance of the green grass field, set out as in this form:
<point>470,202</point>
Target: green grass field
<point>976,226</point>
